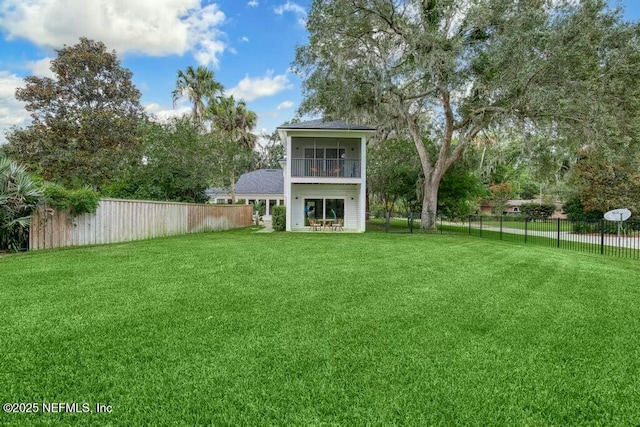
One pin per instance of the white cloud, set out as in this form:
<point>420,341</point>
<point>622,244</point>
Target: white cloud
<point>294,8</point>
<point>153,27</point>
<point>258,87</point>
<point>290,6</point>
<point>245,39</point>
<point>160,114</point>
<point>41,68</point>
<point>284,105</point>
<point>12,112</point>
<point>252,3</point>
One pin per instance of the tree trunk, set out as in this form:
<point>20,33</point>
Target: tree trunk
<point>233,188</point>
<point>429,203</point>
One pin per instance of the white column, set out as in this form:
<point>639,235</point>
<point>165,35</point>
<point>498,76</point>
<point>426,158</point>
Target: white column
<point>287,182</point>
<point>363,183</point>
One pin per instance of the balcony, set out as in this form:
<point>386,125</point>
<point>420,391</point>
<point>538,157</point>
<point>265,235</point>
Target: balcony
<point>336,168</point>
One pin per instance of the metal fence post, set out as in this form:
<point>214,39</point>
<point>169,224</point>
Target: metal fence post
<point>602,237</point>
<point>411,222</point>
<point>480,225</point>
<point>501,216</point>
<point>526,227</point>
<point>469,225</point>
<point>558,232</point>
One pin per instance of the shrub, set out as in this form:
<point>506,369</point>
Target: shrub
<point>538,211</point>
<point>279,218</point>
<point>575,210</point>
<point>76,202</point>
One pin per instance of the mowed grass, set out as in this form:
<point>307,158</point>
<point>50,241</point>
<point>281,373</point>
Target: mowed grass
<point>241,328</point>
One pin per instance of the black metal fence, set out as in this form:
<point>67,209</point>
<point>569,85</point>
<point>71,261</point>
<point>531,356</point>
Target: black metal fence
<point>595,236</point>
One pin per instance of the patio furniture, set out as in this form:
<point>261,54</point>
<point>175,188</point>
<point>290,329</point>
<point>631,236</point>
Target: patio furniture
<point>313,224</point>
<point>337,225</point>
<point>325,222</point>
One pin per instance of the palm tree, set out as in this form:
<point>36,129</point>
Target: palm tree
<point>235,123</point>
<point>235,120</point>
<point>199,85</point>
<point>19,197</point>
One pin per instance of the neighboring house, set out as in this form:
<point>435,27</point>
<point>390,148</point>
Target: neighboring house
<point>262,185</point>
<point>513,207</point>
<point>325,173</point>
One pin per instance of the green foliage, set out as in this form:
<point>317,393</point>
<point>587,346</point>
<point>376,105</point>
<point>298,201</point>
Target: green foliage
<point>271,153</point>
<point>177,164</point>
<point>19,197</point>
<point>233,139</point>
<point>500,195</point>
<point>608,180</point>
<point>74,201</point>
<point>86,120</point>
<point>393,173</point>
<point>575,210</point>
<point>279,218</point>
<point>378,210</point>
<point>529,191</point>
<point>538,211</point>
<point>259,209</point>
<point>459,192</point>
<point>198,85</point>
<point>553,71</point>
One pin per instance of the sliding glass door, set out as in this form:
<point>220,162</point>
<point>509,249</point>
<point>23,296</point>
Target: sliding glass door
<point>323,209</point>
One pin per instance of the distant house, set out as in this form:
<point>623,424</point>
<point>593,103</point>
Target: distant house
<point>262,185</point>
<point>513,207</point>
<point>325,173</point>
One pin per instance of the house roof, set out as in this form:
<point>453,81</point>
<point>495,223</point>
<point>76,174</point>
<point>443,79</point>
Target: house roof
<point>261,181</point>
<point>322,125</point>
<point>215,191</point>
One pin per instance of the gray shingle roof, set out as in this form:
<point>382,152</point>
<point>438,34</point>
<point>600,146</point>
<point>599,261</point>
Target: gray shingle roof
<point>262,181</point>
<point>320,124</point>
<point>215,191</point>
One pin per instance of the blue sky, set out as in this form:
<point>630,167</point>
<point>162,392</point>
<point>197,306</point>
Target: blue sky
<point>249,44</point>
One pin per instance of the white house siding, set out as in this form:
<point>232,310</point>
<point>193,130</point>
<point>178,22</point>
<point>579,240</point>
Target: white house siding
<point>350,194</point>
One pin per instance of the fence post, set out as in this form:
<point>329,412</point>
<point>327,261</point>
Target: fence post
<point>501,216</point>
<point>558,232</point>
<point>602,237</point>
<point>440,224</point>
<point>469,225</point>
<point>411,222</point>
<point>526,227</point>
<point>480,225</point>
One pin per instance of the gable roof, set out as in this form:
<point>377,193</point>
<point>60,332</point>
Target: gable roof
<point>261,181</point>
<point>320,124</point>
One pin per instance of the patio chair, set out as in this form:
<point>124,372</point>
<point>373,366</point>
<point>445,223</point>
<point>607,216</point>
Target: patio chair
<point>313,224</point>
<point>337,225</point>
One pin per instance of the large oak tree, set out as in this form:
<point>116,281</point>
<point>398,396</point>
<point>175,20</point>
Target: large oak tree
<point>448,70</point>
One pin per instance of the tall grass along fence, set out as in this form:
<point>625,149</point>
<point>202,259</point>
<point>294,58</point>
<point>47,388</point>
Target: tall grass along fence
<point>596,236</point>
<point>125,220</point>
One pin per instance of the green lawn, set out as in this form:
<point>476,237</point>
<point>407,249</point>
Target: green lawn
<point>240,328</point>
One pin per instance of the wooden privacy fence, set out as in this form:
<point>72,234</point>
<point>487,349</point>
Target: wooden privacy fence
<point>124,220</point>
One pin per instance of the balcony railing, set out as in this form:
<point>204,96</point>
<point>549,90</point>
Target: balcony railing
<point>339,168</point>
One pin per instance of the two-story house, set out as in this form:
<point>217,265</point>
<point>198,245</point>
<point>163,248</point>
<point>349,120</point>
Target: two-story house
<point>325,173</point>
